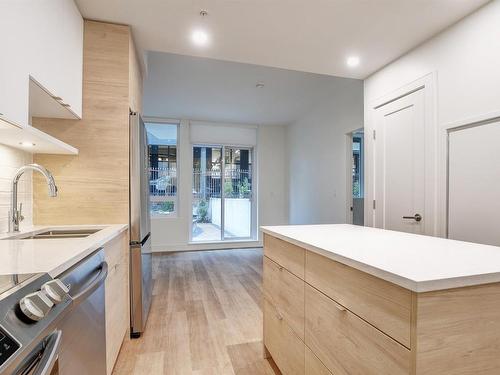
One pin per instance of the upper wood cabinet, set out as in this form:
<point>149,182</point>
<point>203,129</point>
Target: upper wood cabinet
<point>42,44</point>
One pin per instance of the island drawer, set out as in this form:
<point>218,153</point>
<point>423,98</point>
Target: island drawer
<point>346,344</point>
<point>385,305</point>
<point>282,343</point>
<point>285,254</point>
<point>286,292</point>
<point>314,365</point>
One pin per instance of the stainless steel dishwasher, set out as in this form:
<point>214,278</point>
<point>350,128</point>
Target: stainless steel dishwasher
<point>83,343</point>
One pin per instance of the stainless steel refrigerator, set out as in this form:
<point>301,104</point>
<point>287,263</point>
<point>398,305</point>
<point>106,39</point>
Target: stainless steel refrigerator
<point>140,228</point>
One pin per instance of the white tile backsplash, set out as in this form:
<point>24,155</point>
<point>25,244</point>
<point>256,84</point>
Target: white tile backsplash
<point>10,160</point>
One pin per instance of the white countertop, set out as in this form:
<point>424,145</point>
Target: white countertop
<point>415,262</point>
<point>53,256</point>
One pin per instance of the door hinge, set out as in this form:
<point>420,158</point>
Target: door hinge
<point>374,134</point>
<point>374,204</point>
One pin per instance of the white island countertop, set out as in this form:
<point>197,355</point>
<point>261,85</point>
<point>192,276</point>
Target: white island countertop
<point>52,256</point>
<point>415,262</point>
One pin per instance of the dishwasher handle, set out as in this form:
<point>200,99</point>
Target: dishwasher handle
<point>50,354</point>
<point>98,281</point>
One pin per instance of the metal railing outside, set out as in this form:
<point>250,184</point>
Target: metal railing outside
<point>233,183</point>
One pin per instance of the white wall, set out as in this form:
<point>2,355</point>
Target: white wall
<point>172,233</point>
<point>10,160</point>
<point>317,152</point>
<point>272,176</point>
<point>466,61</point>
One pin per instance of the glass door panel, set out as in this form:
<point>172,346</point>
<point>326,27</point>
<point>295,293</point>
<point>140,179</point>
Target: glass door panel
<point>207,219</point>
<point>237,193</point>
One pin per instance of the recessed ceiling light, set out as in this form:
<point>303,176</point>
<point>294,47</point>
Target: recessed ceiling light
<point>352,61</point>
<point>259,85</point>
<point>200,37</point>
<point>27,144</point>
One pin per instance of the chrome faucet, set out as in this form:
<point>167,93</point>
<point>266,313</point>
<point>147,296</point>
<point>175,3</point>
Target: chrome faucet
<point>15,215</point>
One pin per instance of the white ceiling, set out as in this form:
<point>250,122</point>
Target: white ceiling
<point>305,35</point>
<point>186,87</point>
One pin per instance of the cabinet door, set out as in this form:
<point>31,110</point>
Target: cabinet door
<point>314,365</point>
<point>42,39</point>
<point>286,292</point>
<point>284,346</point>
<point>117,297</point>
<point>346,344</point>
<point>14,76</point>
<point>386,306</point>
<point>285,254</point>
<point>57,51</point>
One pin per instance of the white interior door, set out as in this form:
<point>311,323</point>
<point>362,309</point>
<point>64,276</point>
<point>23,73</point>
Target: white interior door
<point>400,164</point>
<point>474,180</point>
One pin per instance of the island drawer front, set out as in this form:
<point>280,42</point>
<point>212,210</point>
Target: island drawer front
<point>346,344</point>
<point>285,254</point>
<point>385,305</point>
<point>314,365</point>
<point>286,292</point>
<point>282,343</point>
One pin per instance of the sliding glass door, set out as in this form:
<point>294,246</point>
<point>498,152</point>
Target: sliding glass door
<point>222,193</point>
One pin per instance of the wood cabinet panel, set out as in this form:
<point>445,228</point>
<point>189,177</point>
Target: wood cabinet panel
<point>385,305</point>
<point>346,344</point>
<point>286,292</point>
<point>94,185</point>
<point>285,254</point>
<point>458,331</point>
<point>314,365</point>
<point>282,343</point>
<point>116,297</point>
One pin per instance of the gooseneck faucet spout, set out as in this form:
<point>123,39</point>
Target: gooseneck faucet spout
<point>15,214</point>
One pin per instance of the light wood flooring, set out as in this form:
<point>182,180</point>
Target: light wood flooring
<point>206,317</point>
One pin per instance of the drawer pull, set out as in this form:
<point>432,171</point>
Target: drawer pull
<point>280,268</point>
<point>278,315</point>
<point>339,307</point>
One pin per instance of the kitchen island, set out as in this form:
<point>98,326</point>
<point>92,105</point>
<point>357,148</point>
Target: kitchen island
<point>343,299</point>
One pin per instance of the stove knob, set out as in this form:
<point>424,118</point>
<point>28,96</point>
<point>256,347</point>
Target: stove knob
<point>35,305</point>
<point>55,290</point>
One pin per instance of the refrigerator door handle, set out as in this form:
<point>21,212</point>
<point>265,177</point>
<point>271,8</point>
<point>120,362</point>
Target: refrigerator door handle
<point>140,243</point>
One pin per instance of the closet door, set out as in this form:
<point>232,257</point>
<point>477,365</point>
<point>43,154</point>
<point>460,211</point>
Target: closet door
<point>474,183</point>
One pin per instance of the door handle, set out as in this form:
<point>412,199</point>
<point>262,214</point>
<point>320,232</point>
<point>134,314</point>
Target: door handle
<point>96,283</point>
<point>50,354</point>
<point>416,217</point>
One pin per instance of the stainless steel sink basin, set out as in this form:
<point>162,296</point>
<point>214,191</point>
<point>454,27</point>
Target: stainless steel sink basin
<point>59,233</point>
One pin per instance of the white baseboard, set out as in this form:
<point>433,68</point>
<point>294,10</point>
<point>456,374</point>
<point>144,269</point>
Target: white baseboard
<point>205,246</point>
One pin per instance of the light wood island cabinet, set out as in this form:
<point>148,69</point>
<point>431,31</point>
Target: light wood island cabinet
<point>323,317</point>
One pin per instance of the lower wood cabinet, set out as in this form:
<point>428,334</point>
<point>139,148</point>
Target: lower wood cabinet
<point>379,302</point>
<point>285,254</point>
<point>116,297</point>
<point>286,292</point>
<point>346,344</point>
<point>314,365</point>
<point>282,343</point>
